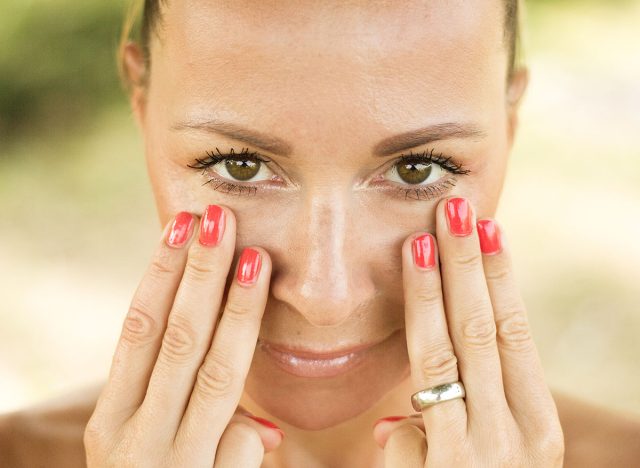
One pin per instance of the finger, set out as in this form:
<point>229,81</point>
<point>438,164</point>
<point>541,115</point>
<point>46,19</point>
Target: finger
<point>240,445</point>
<point>141,335</point>
<point>270,434</point>
<point>221,377</point>
<point>192,319</point>
<point>470,313</point>
<point>383,427</point>
<point>526,391</point>
<point>431,355</point>
<point>406,447</point>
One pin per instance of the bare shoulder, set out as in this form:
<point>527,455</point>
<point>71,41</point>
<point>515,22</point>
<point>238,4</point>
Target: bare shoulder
<point>596,436</point>
<point>49,434</point>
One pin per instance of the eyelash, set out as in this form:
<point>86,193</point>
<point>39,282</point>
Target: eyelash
<point>429,192</point>
<point>222,185</point>
<point>407,192</point>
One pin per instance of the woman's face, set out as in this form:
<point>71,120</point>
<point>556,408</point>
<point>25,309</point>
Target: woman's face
<point>332,94</point>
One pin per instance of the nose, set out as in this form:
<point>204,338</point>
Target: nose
<point>325,276</point>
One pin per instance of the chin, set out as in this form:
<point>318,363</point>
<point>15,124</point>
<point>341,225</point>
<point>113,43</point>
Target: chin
<point>316,403</point>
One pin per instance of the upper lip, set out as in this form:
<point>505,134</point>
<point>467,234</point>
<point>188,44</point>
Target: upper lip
<point>308,353</point>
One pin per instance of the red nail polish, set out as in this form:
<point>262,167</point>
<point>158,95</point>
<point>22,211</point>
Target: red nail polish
<point>181,229</point>
<point>423,249</point>
<point>266,423</point>
<point>389,419</point>
<point>459,216</point>
<point>249,266</point>
<point>489,234</point>
<point>212,226</point>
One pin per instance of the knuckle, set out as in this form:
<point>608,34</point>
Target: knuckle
<point>216,376</point>
<point>479,331</point>
<point>237,311</point>
<point>403,434</point>
<point>551,444</point>
<point>430,297</point>
<point>161,264</point>
<point>498,275</point>
<point>199,266</point>
<point>94,435</point>
<point>139,327</point>
<point>180,339</point>
<point>439,364</point>
<point>467,260</point>
<point>513,331</point>
<point>240,434</point>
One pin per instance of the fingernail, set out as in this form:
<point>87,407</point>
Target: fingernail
<point>212,226</point>
<point>180,229</point>
<point>389,419</point>
<point>459,216</point>
<point>489,234</point>
<point>424,252</point>
<point>249,266</point>
<point>267,423</point>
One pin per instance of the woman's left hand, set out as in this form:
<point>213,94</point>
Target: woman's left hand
<point>466,321</point>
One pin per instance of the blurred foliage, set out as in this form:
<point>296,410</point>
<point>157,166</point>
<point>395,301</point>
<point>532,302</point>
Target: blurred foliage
<point>57,62</point>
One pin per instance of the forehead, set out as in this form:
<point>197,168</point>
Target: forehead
<point>319,63</point>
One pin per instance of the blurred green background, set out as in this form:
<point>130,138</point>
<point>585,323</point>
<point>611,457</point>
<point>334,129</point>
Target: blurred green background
<point>78,222</point>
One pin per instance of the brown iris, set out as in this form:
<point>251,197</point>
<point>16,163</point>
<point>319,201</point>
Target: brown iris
<point>242,169</point>
<point>413,172</point>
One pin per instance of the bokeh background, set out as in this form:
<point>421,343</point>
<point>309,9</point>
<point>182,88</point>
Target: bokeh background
<point>78,223</point>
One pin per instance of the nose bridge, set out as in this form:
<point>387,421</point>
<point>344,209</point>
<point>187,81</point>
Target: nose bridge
<point>323,279</point>
<point>326,266</point>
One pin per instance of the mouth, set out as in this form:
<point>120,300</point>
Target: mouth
<point>305,362</point>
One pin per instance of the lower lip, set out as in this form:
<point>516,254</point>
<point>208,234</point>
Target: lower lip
<point>318,368</point>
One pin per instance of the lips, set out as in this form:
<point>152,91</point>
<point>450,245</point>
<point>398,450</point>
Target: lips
<point>306,353</point>
<point>305,362</point>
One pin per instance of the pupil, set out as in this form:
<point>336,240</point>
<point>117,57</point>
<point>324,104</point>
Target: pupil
<point>242,169</point>
<point>414,173</point>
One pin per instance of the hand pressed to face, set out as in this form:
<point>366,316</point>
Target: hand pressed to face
<point>465,320</point>
<point>182,358</point>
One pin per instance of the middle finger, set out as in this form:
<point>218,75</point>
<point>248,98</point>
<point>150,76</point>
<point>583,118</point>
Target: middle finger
<point>469,311</point>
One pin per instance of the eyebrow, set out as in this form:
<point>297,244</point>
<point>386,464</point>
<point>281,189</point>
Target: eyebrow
<point>386,147</point>
<point>421,136</point>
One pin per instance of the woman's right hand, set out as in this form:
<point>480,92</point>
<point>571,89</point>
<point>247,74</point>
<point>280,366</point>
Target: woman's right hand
<point>181,361</point>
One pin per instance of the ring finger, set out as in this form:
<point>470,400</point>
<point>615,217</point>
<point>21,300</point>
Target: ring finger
<point>431,355</point>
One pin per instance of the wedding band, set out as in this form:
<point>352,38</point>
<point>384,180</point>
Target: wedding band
<point>437,394</point>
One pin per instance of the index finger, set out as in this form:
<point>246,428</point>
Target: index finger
<point>143,325</point>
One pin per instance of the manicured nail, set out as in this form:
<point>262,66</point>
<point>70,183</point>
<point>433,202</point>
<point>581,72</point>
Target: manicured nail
<point>249,266</point>
<point>423,249</point>
<point>212,226</point>
<point>389,419</point>
<point>181,229</point>
<point>266,423</point>
<point>459,216</point>
<point>489,234</point>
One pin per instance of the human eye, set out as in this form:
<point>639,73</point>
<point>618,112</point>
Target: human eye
<point>235,173</point>
<point>421,176</point>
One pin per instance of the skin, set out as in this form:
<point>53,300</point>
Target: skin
<point>337,265</point>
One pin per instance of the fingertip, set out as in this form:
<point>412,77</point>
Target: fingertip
<point>270,434</point>
<point>420,251</point>
<point>382,429</point>
<point>179,230</point>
